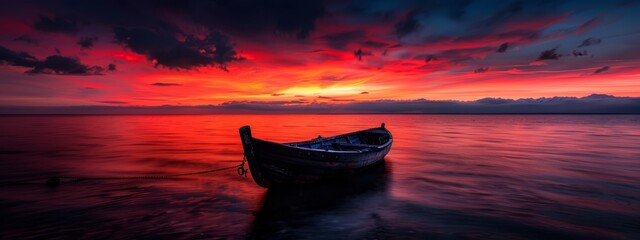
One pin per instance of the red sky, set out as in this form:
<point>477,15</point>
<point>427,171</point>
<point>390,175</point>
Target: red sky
<point>305,52</point>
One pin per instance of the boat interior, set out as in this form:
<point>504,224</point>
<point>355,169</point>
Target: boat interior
<point>354,141</point>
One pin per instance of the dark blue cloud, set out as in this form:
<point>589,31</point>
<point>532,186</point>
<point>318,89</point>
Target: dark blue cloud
<point>87,42</point>
<point>339,41</point>
<point>549,54</point>
<point>359,54</point>
<point>238,17</point>
<point>166,50</point>
<point>374,44</point>
<point>55,24</point>
<point>407,25</point>
<point>590,41</point>
<point>27,39</point>
<point>602,69</point>
<point>54,64</point>
<point>163,84</point>
<point>503,47</point>
<point>481,70</point>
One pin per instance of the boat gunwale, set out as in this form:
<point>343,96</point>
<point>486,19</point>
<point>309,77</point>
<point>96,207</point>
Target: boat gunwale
<point>377,147</point>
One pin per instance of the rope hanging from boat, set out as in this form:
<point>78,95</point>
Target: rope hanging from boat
<point>241,170</point>
<point>56,180</point>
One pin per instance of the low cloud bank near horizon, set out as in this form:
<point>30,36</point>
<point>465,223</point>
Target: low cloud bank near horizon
<point>595,103</point>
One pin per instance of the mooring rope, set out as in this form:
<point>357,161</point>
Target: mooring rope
<point>56,180</point>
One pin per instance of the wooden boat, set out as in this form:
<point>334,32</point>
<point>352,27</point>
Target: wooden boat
<point>272,164</point>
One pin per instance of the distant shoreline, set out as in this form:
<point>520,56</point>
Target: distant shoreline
<point>592,104</point>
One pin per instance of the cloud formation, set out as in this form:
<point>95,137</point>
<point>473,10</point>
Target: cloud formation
<point>406,25</point>
<point>602,69</point>
<point>549,54</point>
<point>54,64</point>
<point>359,54</point>
<point>590,41</point>
<point>503,47</point>
<point>26,39</point>
<point>481,70</point>
<point>164,49</point>
<point>439,49</point>
<point>339,41</point>
<point>55,24</point>
<point>163,84</point>
<point>86,42</point>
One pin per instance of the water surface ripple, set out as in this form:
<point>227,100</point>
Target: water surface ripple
<point>447,176</point>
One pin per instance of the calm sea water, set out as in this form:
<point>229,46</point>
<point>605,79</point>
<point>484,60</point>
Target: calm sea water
<point>446,177</point>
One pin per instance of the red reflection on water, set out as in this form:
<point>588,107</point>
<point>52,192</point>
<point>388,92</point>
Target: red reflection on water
<point>545,172</point>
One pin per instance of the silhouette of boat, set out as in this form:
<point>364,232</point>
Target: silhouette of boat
<point>273,164</point>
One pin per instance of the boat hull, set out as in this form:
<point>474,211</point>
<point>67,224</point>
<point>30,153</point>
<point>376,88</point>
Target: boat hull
<point>275,164</point>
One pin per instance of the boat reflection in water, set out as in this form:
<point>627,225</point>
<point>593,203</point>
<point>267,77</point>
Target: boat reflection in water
<point>300,211</point>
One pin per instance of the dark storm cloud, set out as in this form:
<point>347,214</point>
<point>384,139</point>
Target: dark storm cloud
<point>602,69</point>
<point>297,16</point>
<point>27,39</point>
<point>503,47</point>
<point>359,54</point>
<point>21,59</point>
<point>56,24</point>
<point>374,44</point>
<point>64,66</point>
<point>549,54</point>
<point>590,41</point>
<point>580,54</point>
<point>484,35</point>
<point>137,23</point>
<point>430,58</point>
<point>111,67</point>
<point>364,93</point>
<point>314,51</point>
<point>407,25</point>
<point>163,84</point>
<point>54,64</point>
<point>86,42</point>
<point>238,17</point>
<point>163,48</point>
<point>481,70</point>
<point>113,102</point>
<point>588,25</point>
<point>339,41</point>
<point>507,13</point>
<point>455,56</point>
<point>456,9</point>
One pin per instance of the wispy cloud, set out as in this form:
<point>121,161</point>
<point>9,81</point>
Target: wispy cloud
<point>164,84</point>
<point>602,69</point>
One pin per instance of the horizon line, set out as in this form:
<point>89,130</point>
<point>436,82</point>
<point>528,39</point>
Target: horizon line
<point>592,104</point>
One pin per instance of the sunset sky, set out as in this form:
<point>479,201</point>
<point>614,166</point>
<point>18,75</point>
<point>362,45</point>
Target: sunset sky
<point>153,53</point>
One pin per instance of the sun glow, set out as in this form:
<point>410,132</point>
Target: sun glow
<point>333,90</point>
